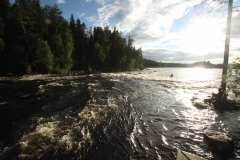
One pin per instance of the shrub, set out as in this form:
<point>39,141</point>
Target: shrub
<point>233,77</point>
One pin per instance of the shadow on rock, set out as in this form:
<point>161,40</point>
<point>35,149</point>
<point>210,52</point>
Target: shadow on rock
<point>219,142</point>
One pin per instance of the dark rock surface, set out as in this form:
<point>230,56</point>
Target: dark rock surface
<point>221,102</point>
<point>219,142</point>
<point>208,99</point>
<point>217,104</point>
<point>227,106</point>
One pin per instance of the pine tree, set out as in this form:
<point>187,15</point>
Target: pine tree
<point>44,42</point>
<point>55,17</point>
<point>67,47</point>
<point>19,48</point>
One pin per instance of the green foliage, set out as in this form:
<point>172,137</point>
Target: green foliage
<point>43,58</point>
<point>99,53</point>
<point>35,39</point>
<point>233,78</point>
<point>131,64</point>
<point>28,69</point>
<point>61,50</point>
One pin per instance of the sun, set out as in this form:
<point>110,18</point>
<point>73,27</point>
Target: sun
<point>202,36</point>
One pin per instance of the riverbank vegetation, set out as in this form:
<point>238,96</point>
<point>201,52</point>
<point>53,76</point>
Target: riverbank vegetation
<point>233,77</point>
<point>35,39</point>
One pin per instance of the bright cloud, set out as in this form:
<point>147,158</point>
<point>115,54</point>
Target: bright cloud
<point>203,36</point>
<point>151,24</point>
<point>146,21</point>
<point>235,37</point>
<point>235,25</point>
<point>60,1</point>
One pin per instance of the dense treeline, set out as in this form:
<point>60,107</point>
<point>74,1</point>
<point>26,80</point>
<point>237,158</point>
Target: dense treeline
<point>206,64</point>
<point>35,39</point>
<point>202,64</point>
<point>151,63</point>
<point>175,65</point>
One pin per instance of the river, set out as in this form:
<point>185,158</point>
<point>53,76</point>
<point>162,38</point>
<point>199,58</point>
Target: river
<point>128,115</point>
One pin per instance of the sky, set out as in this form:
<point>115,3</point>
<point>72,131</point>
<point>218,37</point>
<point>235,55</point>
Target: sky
<point>174,31</point>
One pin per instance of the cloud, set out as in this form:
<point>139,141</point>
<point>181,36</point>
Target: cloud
<point>166,55</point>
<point>100,1</point>
<point>146,21</point>
<point>235,38</point>
<point>60,1</point>
<point>87,1</point>
<point>81,14</point>
<point>150,24</point>
<point>91,18</point>
<point>235,25</point>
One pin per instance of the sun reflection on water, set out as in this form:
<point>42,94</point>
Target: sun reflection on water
<point>199,73</point>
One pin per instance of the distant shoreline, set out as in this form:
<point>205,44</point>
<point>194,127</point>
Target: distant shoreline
<point>202,64</point>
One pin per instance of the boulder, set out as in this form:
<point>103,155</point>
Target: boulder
<point>217,104</point>
<point>200,105</point>
<point>230,105</point>
<point>219,142</point>
<point>216,99</point>
<point>219,93</point>
<point>227,105</point>
<point>208,99</point>
<point>11,153</point>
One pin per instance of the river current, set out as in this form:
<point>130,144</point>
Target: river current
<point>128,115</point>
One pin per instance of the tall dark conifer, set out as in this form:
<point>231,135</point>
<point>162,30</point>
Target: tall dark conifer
<point>79,45</point>
<point>73,29</point>
<point>55,18</point>
<point>44,42</point>
<point>4,8</point>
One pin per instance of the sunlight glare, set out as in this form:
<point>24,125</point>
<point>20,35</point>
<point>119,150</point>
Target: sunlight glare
<point>198,74</point>
<point>202,36</point>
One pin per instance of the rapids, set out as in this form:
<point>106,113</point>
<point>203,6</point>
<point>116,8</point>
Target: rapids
<point>129,115</point>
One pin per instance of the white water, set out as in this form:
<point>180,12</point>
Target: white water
<point>131,115</point>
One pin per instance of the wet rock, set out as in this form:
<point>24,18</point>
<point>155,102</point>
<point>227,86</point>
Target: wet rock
<point>219,142</point>
<point>221,102</point>
<point>11,153</point>
<point>226,106</point>
<point>200,105</point>
<point>219,93</point>
<point>216,99</point>
<point>208,99</point>
<point>230,105</point>
<point>217,104</point>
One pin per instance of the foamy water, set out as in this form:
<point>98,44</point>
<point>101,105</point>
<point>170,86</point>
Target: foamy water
<point>130,115</point>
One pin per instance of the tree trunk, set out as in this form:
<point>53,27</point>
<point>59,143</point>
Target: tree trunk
<point>227,42</point>
<point>25,34</point>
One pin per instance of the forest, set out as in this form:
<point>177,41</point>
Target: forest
<point>36,39</point>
